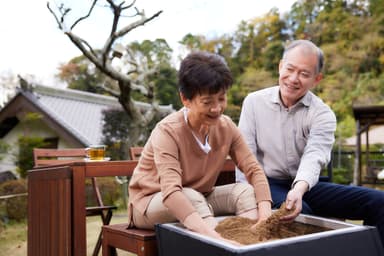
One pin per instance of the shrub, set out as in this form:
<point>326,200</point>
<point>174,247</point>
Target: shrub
<point>16,207</point>
<point>342,176</point>
<point>25,157</point>
<point>4,147</point>
<point>2,225</point>
<point>110,191</point>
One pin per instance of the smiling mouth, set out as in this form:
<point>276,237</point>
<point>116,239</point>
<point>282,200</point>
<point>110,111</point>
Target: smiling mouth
<point>213,117</point>
<point>291,87</point>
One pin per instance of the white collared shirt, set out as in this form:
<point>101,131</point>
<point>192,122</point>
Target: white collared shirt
<point>292,143</point>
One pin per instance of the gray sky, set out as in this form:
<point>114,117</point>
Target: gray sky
<point>32,43</point>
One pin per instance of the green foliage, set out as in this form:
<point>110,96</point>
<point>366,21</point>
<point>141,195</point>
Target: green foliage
<point>80,74</point>
<point>236,95</point>
<point>271,57</point>
<point>117,130</point>
<point>192,42</point>
<point>110,191</point>
<point>233,112</point>
<point>16,207</point>
<point>350,33</point>
<point>28,120</point>
<point>166,90</point>
<point>24,160</point>
<point>117,125</point>
<point>151,53</point>
<point>342,176</point>
<point>4,147</point>
<point>346,127</point>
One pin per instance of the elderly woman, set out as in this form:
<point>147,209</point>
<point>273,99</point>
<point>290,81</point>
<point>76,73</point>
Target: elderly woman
<point>176,174</point>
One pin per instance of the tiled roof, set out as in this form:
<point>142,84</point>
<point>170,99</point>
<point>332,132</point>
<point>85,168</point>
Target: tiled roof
<point>79,112</point>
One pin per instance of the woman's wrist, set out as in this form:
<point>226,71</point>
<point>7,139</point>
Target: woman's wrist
<point>195,223</point>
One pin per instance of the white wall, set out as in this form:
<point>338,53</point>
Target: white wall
<point>38,129</point>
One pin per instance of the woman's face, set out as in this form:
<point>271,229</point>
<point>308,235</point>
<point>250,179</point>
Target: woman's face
<point>297,75</point>
<point>205,109</point>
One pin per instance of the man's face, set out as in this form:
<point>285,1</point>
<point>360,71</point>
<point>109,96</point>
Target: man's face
<point>206,109</point>
<point>297,75</point>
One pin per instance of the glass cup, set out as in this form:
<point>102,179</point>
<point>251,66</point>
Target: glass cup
<point>96,152</point>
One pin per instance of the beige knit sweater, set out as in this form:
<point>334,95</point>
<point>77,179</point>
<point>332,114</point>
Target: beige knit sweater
<point>172,159</point>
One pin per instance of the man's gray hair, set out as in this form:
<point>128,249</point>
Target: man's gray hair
<point>310,46</point>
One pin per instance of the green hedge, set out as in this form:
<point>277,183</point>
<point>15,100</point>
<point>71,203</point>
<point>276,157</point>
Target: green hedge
<point>14,208</point>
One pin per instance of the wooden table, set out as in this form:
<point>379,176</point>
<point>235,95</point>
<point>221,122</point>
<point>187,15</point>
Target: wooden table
<point>56,205</point>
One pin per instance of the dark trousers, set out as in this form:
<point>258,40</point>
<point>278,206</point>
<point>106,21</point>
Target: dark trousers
<point>339,201</point>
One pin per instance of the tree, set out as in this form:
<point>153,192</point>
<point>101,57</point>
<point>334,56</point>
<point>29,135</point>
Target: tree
<point>26,143</point>
<point>133,77</point>
<point>8,83</point>
<point>156,55</point>
<point>80,74</point>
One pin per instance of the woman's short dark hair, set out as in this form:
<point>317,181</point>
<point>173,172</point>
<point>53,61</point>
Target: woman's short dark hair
<point>202,72</point>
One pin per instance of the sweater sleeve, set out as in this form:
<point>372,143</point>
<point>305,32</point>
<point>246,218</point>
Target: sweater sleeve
<point>166,156</point>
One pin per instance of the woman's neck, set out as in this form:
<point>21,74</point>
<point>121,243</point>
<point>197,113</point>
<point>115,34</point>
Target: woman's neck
<point>199,130</point>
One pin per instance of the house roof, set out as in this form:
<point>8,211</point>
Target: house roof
<point>369,115</point>
<point>369,118</point>
<point>76,115</point>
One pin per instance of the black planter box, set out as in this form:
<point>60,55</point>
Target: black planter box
<point>343,239</point>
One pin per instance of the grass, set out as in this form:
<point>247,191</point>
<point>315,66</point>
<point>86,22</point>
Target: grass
<point>13,237</point>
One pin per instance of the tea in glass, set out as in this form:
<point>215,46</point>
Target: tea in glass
<point>96,152</point>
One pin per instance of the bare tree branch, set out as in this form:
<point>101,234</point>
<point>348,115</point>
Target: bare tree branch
<point>131,59</point>
<point>138,87</point>
<point>86,16</point>
<point>134,25</point>
<point>81,43</point>
<point>110,91</point>
<point>59,23</point>
<point>130,5</point>
<point>116,35</point>
<point>136,78</point>
<point>116,9</point>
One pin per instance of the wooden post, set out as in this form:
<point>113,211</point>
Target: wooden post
<point>50,212</point>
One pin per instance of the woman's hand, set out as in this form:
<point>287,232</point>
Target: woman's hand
<point>195,223</point>
<point>264,209</point>
<point>216,235</point>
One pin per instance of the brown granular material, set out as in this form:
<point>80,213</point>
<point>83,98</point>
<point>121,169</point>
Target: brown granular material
<point>240,229</point>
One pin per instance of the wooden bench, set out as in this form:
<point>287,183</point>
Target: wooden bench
<point>138,241</point>
<point>143,242</point>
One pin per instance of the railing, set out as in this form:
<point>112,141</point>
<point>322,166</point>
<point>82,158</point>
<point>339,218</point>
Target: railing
<point>12,196</point>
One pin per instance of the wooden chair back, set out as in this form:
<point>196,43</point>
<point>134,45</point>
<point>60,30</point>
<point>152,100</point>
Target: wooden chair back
<point>51,156</point>
<point>135,152</point>
<point>226,176</point>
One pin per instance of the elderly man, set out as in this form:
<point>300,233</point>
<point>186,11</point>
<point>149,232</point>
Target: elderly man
<point>291,132</point>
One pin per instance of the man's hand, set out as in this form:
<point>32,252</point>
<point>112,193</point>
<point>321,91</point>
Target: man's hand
<point>294,200</point>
